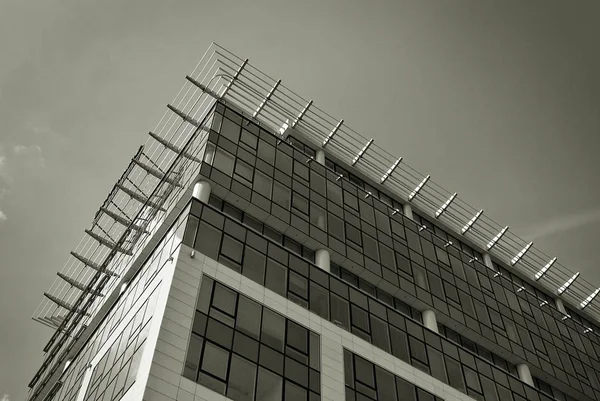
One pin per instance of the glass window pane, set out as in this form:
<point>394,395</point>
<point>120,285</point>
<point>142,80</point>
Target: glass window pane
<point>249,139</point>
<point>386,385</point>
<point>281,195</point>
<point>297,336</point>
<point>294,392</point>
<point>224,299</point>
<point>193,357</point>
<point>248,317</point>
<point>190,231</point>
<point>340,313</point>
<point>215,360</point>
<point>241,379</point>
<point>209,240</point>
<point>300,203</point>
<point>254,265</point>
<point>298,285</point>
<point>232,248</point>
<point>334,192</point>
<point>230,130</point>
<point>273,329</point>
<point>275,279</point>
<point>269,386</point>
<point>224,161</point>
<point>205,294</point>
<point>244,170</point>
<point>364,372</point>
<point>318,216</point>
<point>219,333</point>
<point>263,184</point>
<point>319,300</point>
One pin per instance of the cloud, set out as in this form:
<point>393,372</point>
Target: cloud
<point>33,152</point>
<point>563,224</point>
<point>5,397</point>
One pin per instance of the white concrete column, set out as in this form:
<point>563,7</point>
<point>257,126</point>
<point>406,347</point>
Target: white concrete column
<point>429,320</point>
<point>560,306</point>
<point>487,260</point>
<point>525,374</point>
<point>320,156</point>
<point>407,210</point>
<point>323,260</point>
<point>202,191</point>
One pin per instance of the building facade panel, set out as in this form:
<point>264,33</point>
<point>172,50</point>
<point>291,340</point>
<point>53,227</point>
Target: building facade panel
<point>356,311</point>
<point>367,236</point>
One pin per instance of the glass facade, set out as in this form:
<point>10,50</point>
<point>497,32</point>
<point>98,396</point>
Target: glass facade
<point>245,351</point>
<point>272,207</point>
<point>366,381</point>
<point>326,207</point>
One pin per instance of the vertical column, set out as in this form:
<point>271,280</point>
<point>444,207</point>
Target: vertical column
<point>407,210</point>
<point>320,156</point>
<point>202,191</point>
<point>429,320</point>
<point>487,260</point>
<point>323,260</point>
<point>525,374</point>
<point>560,306</point>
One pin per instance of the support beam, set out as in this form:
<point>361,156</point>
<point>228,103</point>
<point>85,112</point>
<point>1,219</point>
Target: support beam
<point>495,240</point>
<point>429,320</point>
<point>323,260</point>
<point>520,255</point>
<point>332,133</point>
<point>589,299</point>
<point>362,152</point>
<point>539,274</point>
<point>264,102</point>
<point>443,208</point>
<point>418,188</point>
<point>80,286</point>
<point>468,226</point>
<point>108,243</point>
<point>566,285</point>
<point>172,147</point>
<point>140,198</point>
<point>184,116</point>
<point>390,171</point>
<point>202,87</point>
<point>92,265</point>
<point>155,172</point>
<point>122,220</point>
<point>63,304</point>
<point>302,113</point>
<point>235,77</point>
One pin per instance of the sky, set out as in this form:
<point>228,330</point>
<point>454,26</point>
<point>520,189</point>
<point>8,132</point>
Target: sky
<point>498,101</point>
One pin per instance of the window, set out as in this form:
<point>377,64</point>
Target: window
<point>263,184</point>
<point>224,161</point>
<point>259,356</point>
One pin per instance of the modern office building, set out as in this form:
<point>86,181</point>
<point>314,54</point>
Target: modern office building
<point>256,248</point>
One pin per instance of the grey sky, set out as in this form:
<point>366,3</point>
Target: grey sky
<point>500,103</point>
